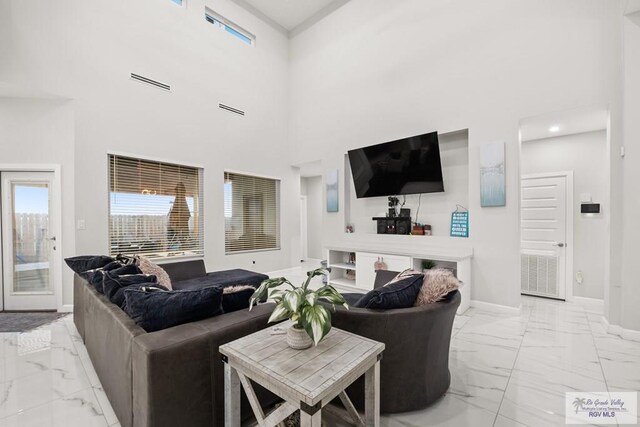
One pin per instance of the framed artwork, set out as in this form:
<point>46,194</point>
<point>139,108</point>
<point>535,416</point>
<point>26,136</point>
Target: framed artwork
<point>332,190</point>
<point>492,175</point>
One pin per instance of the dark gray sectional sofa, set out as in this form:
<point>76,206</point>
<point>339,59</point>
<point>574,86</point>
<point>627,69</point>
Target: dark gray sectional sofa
<point>173,377</point>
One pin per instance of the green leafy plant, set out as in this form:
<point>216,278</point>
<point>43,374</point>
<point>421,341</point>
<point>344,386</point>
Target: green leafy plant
<point>428,264</point>
<point>301,304</point>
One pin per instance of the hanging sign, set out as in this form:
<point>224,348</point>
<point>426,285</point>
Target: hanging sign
<point>460,223</point>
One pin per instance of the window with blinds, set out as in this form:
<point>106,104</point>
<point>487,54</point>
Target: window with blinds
<point>155,208</point>
<point>251,213</point>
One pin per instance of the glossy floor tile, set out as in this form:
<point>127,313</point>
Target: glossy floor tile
<point>505,370</point>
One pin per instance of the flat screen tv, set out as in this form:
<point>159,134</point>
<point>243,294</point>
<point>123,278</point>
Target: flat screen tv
<point>406,166</point>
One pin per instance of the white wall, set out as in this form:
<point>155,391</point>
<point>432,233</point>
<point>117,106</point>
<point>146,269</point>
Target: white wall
<point>86,51</point>
<point>34,131</point>
<point>624,309</point>
<point>370,72</point>
<point>312,188</point>
<point>584,154</point>
<point>435,208</point>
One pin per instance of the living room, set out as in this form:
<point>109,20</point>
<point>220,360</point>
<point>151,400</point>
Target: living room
<point>103,100</point>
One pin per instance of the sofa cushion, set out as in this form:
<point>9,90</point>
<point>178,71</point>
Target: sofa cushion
<point>154,311</point>
<point>399,293</point>
<point>149,267</point>
<point>82,263</point>
<point>184,270</point>
<point>236,298</point>
<point>437,283</point>
<point>113,285</point>
<point>352,297</point>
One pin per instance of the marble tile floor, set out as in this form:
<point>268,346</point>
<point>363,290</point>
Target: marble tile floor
<point>506,370</point>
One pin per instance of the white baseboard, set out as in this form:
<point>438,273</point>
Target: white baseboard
<point>592,303</point>
<point>627,334</point>
<point>66,308</point>
<point>497,308</point>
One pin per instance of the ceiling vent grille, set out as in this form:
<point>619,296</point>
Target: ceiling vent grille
<point>150,82</point>
<point>231,109</point>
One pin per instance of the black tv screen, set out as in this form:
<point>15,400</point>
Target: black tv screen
<point>406,166</point>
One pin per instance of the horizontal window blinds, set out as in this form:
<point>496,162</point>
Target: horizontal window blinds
<point>251,213</point>
<point>155,208</point>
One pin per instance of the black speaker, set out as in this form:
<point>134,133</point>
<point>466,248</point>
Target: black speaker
<point>382,226</point>
<point>403,227</point>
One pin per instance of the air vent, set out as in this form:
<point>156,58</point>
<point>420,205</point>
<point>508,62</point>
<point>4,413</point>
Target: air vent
<point>231,109</point>
<point>539,275</point>
<point>150,82</point>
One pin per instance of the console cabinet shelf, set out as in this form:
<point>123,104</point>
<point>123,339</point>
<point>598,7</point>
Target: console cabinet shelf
<point>343,269</point>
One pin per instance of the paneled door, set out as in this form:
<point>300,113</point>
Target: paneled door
<point>28,241</point>
<point>544,231</point>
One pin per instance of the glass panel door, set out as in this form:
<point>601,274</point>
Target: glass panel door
<point>27,241</point>
<point>31,250</point>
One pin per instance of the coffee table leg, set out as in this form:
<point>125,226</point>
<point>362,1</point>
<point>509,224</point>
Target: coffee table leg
<point>372,396</point>
<point>307,420</point>
<point>231,397</point>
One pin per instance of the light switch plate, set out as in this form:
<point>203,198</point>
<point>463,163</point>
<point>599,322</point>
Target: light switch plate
<point>82,225</point>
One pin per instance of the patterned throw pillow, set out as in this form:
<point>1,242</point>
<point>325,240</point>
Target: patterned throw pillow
<point>437,283</point>
<point>151,268</point>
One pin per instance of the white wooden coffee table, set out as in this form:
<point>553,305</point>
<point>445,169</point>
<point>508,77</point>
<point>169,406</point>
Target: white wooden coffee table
<point>306,379</point>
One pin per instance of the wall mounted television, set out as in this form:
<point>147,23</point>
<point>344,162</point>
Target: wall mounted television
<point>406,166</point>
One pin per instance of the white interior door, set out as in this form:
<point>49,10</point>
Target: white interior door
<point>544,234</point>
<point>28,240</point>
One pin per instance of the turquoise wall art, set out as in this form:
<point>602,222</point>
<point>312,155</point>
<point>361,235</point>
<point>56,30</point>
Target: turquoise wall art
<point>492,175</point>
<point>332,190</point>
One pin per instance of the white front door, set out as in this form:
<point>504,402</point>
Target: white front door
<point>28,240</point>
<point>544,236</point>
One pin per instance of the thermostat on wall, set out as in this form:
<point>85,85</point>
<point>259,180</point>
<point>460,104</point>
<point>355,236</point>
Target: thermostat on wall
<point>592,208</point>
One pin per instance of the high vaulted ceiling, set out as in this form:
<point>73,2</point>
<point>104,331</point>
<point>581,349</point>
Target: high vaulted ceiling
<point>292,15</point>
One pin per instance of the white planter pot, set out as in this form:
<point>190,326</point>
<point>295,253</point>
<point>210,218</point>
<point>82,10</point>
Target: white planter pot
<point>298,339</point>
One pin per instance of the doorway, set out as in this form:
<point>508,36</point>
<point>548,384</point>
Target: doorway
<point>546,234</point>
<point>311,211</point>
<point>573,250</point>
<point>29,212</point>
<point>304,235</point>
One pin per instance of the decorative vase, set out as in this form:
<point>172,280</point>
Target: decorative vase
<point>298,339</point>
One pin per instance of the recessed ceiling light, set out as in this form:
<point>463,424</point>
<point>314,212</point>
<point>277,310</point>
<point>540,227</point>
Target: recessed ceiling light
<point>554,129</point>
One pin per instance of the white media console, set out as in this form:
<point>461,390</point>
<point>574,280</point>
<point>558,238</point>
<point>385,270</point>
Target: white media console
<point>360,275</point>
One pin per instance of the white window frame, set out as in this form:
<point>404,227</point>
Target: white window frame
<point>223,23</point>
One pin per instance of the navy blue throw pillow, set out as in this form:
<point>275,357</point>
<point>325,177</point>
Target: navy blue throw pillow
<point>94,277</point>
<point>113,285</point>
<point>401,294</point>
<point>239,300</point>
<point>80,264</point>
<point>115,268</point>
<point>154,311</point>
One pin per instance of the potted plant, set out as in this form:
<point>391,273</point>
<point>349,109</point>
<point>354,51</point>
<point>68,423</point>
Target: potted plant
<point>311,319</point>
<point>428,264</point>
